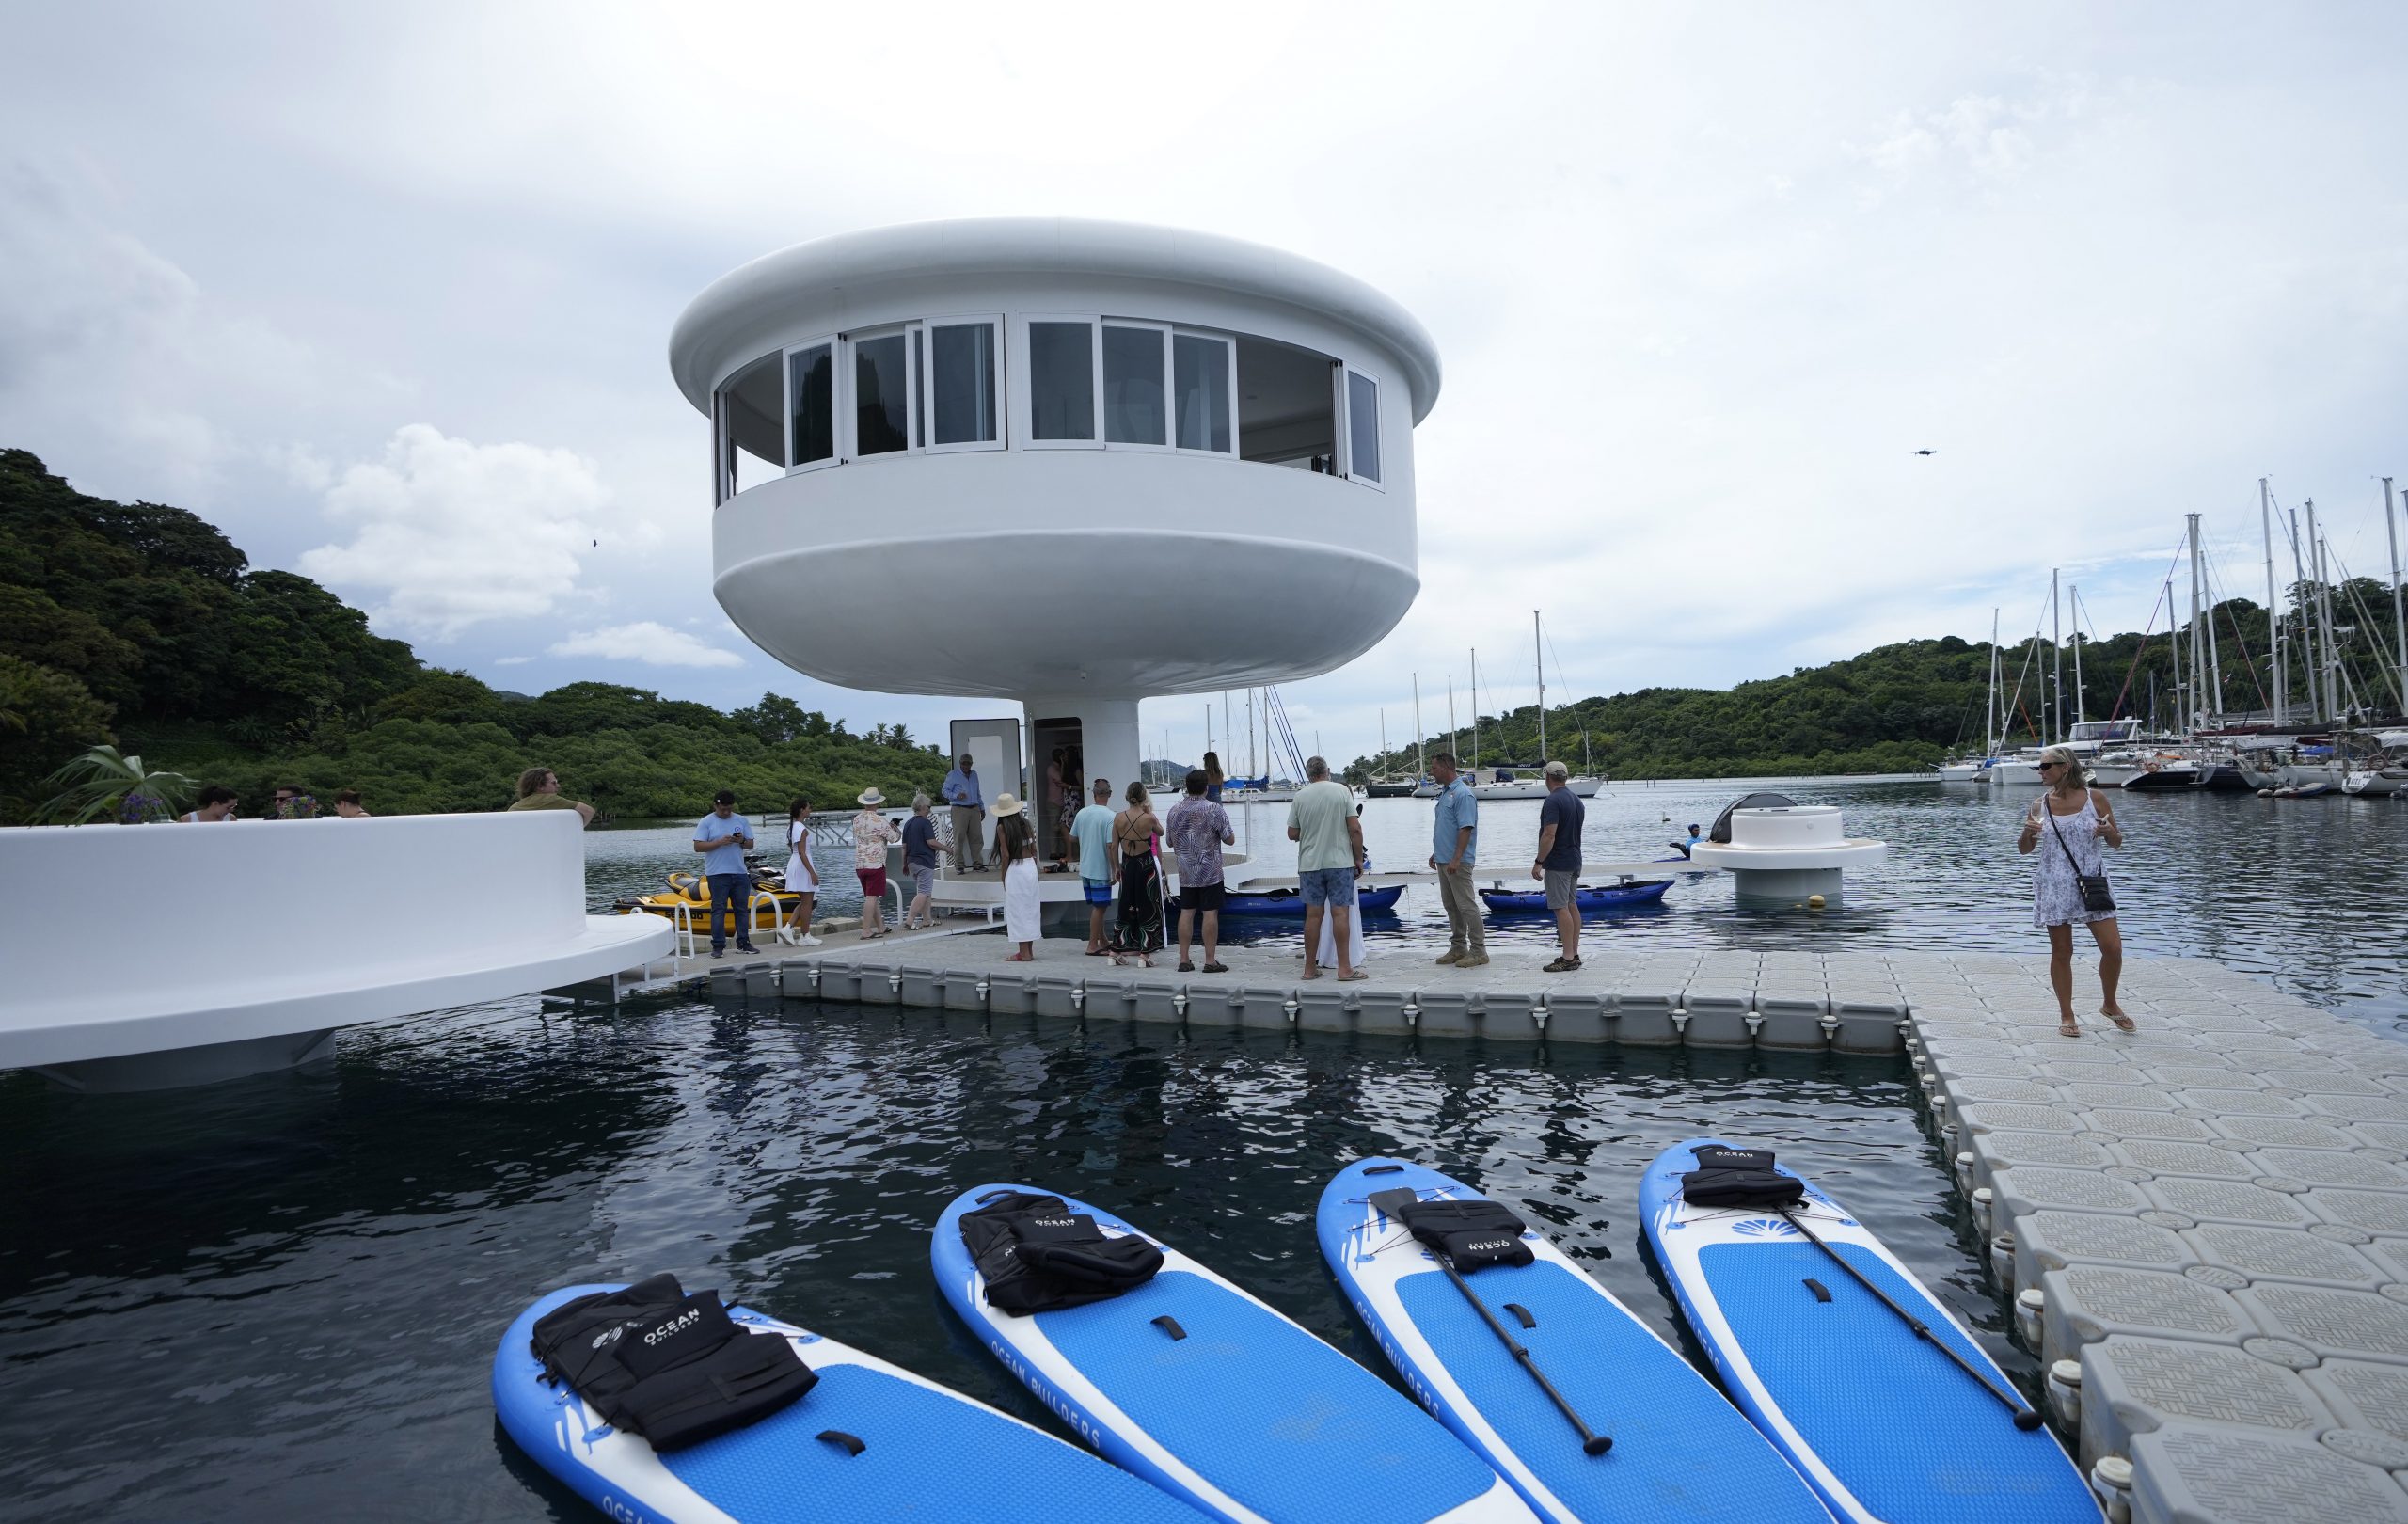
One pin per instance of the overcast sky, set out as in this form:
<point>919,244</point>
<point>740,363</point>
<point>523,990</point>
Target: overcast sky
<point>385,293</point>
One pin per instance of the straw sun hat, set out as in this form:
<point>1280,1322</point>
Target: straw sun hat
<point>870,797</point>
<point>1006,804</point>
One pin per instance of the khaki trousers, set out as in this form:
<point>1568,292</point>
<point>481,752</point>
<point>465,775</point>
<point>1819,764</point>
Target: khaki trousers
<point>969,851</point>
<point>1464,930</point>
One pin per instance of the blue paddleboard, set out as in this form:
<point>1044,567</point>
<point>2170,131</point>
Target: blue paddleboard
<point>927,1454</point>
<point>1238,1411</point>
<point>1885,1426</point>
<point>1680,1452</point>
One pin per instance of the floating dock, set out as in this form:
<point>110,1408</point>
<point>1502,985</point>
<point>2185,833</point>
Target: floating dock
<point>2202,1225</point>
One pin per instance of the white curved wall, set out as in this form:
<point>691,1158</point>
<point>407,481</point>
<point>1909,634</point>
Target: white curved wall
<point>119,940</point>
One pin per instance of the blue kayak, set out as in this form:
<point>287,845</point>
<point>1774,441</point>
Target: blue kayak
<point>1588,897</point>
<point>1290,901</point>
<point>791,1466</point>
<point>1880,1422</point>
<point>1680,1451</point>
<point>1220,1401</point>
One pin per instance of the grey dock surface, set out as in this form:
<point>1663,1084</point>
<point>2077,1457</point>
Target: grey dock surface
<point>2202,1225</point>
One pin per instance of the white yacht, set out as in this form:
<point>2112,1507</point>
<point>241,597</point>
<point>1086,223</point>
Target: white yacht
<point>2086,740</point>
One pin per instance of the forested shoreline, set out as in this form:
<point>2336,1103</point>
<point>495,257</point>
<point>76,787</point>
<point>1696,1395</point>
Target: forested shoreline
<point>140,625</point>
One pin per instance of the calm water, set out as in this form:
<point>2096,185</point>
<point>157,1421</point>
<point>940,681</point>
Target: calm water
<point>278,1299</point>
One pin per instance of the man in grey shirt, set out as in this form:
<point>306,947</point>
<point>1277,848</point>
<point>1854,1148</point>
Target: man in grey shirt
<point>1558,863</point>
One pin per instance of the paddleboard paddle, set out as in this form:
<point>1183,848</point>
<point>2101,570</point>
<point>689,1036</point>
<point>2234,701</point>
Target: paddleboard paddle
<point>2026,1417</point>
<point>1591,1442</point>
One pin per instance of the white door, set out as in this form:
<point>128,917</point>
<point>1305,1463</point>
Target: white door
<point>993,747</point>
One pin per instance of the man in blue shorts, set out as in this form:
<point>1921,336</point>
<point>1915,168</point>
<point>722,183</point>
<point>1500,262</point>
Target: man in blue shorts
<point>1092,829</point>
<point>1329,847</point>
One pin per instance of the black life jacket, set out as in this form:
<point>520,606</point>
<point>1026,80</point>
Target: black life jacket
<point>1037,1255</point>
<point>1739,1178</point>
<point>1474,1234</point>
<point>672,1368</point>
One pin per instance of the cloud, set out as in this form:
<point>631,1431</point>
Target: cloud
<point>454,533</point>
<point>646,641</point>
<point>512,660</point>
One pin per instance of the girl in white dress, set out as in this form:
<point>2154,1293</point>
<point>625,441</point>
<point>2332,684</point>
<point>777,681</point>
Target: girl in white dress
<point>1016,848</point>
<point>801,878</point>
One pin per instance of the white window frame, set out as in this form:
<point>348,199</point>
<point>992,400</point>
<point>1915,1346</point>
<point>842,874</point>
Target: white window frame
<point>1229,343</point>
<point>849,444</point>
<point>1170,430</point>
<point>1094,373</point>
<point>1346,372</point>
<point>994,320</point>
<point>835,343</point>
<point>727,475</point>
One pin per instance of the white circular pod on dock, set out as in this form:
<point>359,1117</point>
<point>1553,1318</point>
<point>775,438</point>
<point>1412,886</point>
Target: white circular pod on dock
<point>2002,1261</point>
<point>1983,1205</point>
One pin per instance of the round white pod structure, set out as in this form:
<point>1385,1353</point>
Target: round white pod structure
<point>1964,1169</point>
<point>1062,462</point>
<point>1984,1204</point>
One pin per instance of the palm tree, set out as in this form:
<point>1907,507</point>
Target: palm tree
<point>103,782</point>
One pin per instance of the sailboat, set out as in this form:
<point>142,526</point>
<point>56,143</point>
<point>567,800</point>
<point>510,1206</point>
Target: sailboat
<point>1505,784</point>
<point>1384,787</point>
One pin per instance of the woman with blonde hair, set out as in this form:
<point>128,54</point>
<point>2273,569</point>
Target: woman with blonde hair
<point>2070,824</point>
<point>1139,933</point>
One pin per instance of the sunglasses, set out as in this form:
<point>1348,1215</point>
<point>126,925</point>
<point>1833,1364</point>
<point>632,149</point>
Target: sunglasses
<point>2046,765</point>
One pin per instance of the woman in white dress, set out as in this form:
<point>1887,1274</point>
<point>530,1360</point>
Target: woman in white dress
<point>1016,848</point>
<point>801,878</point>
<point>2068,827</point>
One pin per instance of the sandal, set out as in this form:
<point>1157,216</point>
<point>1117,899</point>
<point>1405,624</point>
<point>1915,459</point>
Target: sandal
<point>2068,1028</point>
<point>2123,1024</point>
<point>1355,977</point>
<point>1186,967</point>
<point>1216,968</point>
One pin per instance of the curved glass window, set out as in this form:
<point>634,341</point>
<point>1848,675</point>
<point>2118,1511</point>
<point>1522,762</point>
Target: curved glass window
<point>1133,376</point>
<point>882,395</point>
<point>1362,426</point>
<point>749,411</point>
<point>1287,405</point>
<point>811,382</point>
<point>1061,380</point>
<point>962,383</point>
<point>1200,367</point>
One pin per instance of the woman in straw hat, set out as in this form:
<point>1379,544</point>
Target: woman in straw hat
<point>2068,825</point>
<point>1016,846</point>
<point>871,834</point>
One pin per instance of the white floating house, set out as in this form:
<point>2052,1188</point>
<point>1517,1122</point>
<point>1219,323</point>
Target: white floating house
<point>1061,463</point>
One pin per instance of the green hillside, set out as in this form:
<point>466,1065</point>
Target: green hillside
<point>141,625</point>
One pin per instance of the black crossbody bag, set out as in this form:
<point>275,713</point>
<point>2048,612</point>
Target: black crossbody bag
<point>2096,896</point>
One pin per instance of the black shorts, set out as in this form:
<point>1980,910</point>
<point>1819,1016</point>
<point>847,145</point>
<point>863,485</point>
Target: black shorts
<point>1202,896</point>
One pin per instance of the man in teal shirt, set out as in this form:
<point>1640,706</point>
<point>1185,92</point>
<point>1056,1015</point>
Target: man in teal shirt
<point>1091,828</point>
<point>1329,847</point>
<point>1451,857</point>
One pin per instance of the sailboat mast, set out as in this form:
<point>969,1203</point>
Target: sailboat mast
<point>2273,609</point>
<point>1419,767</point>
<point>1537,656</point>
<point>1453,740</point>
<point>2073,597</point>
<point>2056,659</point>
<point>1989,703</point>
<point>2199,708</point>
<point>2323,620</point>
<point>2398,629</point>
<point>2213,706</point>
<point>1475,711</point>
<point>1384,739</point>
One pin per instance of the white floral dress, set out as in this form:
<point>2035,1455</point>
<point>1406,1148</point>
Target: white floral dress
<point>2056,898</point>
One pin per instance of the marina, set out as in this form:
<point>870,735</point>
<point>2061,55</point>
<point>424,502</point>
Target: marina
<point>1992,1118</point>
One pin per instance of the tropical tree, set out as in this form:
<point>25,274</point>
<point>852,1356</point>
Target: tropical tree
<point>105,782</point>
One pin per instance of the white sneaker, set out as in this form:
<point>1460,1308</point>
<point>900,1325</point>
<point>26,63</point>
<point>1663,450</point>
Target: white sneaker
<point>808,941</point>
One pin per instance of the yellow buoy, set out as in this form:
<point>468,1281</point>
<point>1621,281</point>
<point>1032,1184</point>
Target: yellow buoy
<point>1813,902</point>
